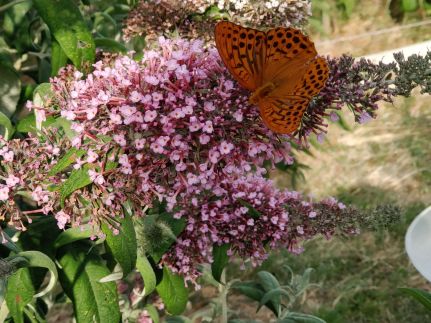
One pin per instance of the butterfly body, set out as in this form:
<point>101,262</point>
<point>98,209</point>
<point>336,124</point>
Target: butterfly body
<point>279,66</point>
<point>262,92</point>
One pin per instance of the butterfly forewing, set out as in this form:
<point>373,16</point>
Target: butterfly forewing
<point>283,115</point>
<point>242,51</point>
<point>287,51</point>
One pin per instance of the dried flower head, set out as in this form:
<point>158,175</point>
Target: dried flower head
<point>195,19</point>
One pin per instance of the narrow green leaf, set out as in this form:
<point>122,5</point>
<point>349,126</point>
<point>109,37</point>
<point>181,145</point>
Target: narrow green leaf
<point>7,125</point>
<point>173,292</point>
<point>221,259</point>
<point>110,45</point>
<point>39,259</point>
<point>69,28</point>
<point>10,89</point>
<point>20,292</point>
<point>58,58</point>
<point>269,282</point>
<point>78,179</point>
<point>122,246</point>
<point>147,273</point>
<point>92,301</point>
<point>70,157</point>
<point>420,295</point>
<point>73,234</point>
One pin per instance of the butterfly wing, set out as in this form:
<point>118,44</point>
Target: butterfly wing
<point>282,111</point>
<point>243,52</point>
<point>287,52</point>
<point>308,83</point>
<point>314,78</point>
<point>283,115</point>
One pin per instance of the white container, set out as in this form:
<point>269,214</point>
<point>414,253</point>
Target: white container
<point>418,243</point>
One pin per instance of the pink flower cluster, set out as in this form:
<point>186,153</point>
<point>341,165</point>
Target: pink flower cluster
<point>23,175</point>
<point>178,121</point>
<point>252,216</point>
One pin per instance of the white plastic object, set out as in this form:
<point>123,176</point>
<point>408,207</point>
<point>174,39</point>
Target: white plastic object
<point>418,243</point>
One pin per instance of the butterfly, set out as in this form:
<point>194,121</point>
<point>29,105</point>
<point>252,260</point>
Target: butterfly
<point>279,66</point>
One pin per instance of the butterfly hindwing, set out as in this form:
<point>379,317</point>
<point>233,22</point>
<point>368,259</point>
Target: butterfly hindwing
<point>242,51</point>
<point>283,115</point>
<point>314,78</point>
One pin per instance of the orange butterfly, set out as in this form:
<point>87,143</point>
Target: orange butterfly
<point>279,66</point>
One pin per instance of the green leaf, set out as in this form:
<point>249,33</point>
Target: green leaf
<point>7,125</point>
<point>10,89</point>
<point>294,317</point>
<point>74,234</point>
<point>176,226</point>
<point>16,14</point>
<point>122,246</point>
<point>178,319</point>
<point>173,292</point>
<point>409,5</point>
<point>420,295</point>
<point>43,70</point>
<point>39,259</point>
<point>274,295</point>
<point>44,90</point>
<point>65,125</point>
<point>152,311</point>
<point>70,157</point>
<point>20,292</point>
<point>147,273</point>
<point>269,282</point>
<point>221,259</point>
<point>250,289</point>
<point>92,301</point>
<point>110,45</point>
<point>251,210</point>
<point>69,28</point>
<point>349,5</point>
<point>79,178</point>
<point>58,58</point>
<point>28,124</point>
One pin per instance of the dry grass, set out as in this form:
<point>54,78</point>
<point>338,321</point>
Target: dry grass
<point>378,154</point>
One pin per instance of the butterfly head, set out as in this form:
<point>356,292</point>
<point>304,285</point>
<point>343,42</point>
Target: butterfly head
<point>261,92</point>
